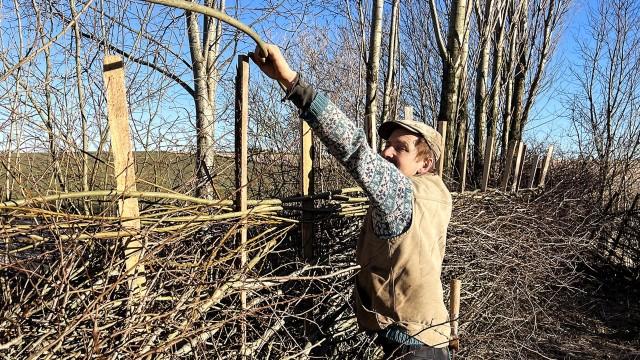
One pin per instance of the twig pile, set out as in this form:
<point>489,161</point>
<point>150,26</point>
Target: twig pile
<point>65,294</point>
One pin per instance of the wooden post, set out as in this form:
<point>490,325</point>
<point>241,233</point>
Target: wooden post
<point>488,157</point>
<point>241,157</point>
<point>532,172</point>
<point>508,160</point>
<point>241,148</point>
<point>442,128</point>
<point>124,170</point>
<point>306,184</point>
<point>522,161</point>
<point>454,313</point>
<point>516,167</point>
<point>463,176</point>
<point>545,166</point>
<point>408,113</point>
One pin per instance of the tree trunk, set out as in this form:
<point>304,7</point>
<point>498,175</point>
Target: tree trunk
<point>49,121</point>
<point>373,64</point>
<point>480,114</point>
<point>461,138</point>
<point>81,103</point>
<point>496,79</point>
<point>393,44</point>
<point>508,95</point>
<point>205,76</point>
<point>515,131</point>
<point>453,68</point>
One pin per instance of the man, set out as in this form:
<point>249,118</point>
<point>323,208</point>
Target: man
<point>398,292</point>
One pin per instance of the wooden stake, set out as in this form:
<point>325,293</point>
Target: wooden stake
<point>306,185</point>
<point>508,160</point>
<point>516,167</point>
<point>488,157</point>
<point>124,169</point>
<point>242,155</point>
<point>442,128</point>
<point>454,313</point>
<point>463,176</point>
<point>522,161</point>
<point>545,166</point>
<point>241,147</point>
<point>408,113</point>
<point>532,172</point>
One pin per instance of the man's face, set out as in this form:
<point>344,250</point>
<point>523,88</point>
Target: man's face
<point>401,151</point>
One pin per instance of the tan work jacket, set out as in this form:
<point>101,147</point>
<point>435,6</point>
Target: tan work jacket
<point>399,281</point>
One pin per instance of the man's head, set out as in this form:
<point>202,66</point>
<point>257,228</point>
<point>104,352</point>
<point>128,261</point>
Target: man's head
<point>413,147</point>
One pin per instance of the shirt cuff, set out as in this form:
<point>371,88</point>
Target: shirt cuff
<point>301,94</point>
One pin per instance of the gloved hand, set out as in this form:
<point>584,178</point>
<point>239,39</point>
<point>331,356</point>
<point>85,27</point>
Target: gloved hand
<point>274,65</point>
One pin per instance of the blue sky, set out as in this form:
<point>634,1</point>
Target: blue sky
<point>548,119</point>
<point>547,124</point>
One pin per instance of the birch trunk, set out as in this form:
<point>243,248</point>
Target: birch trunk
<point>205,75</point>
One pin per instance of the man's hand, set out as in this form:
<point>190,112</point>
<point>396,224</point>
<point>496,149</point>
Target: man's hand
<point>274,65</point>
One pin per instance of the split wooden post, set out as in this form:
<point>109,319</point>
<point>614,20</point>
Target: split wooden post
<point>463,176</point>
<point>241,157</point>
<point>488,157</point>
<point>454,313</point>
<point>516,167</point>
<point>306,189</point>
<point>545,166</point>
<point>408,113</point>
<point>522,161</point>
<point>532,172</point>
<point>508,161</point>
<point>241,147</point>
<point>124,170</point>
<point>442,129</point>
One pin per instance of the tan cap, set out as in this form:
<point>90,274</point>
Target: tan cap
<point>433,137</point>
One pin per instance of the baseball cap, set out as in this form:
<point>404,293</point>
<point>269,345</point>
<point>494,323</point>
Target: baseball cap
<point>431,135</point>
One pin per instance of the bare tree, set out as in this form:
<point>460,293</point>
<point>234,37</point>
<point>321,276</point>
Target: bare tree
<point>535,46</point>
<point>605,111</point>
<point>203,46</point>
<point>421,62</point>
<point>454,63</point>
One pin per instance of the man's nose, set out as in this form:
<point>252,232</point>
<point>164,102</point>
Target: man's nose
<point>388,153</point>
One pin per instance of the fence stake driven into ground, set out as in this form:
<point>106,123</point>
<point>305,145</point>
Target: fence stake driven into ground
<point>241,170</point>
<point>124,170</point>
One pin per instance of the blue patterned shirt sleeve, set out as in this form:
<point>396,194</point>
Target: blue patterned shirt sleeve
<point>389,191</point>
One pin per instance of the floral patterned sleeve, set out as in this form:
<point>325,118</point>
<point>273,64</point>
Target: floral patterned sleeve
<point>389,191</point>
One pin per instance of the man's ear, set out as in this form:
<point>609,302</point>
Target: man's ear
<point>426,167</point>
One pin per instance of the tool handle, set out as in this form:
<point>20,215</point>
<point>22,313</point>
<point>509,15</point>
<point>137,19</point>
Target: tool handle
<point>454,313</point>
